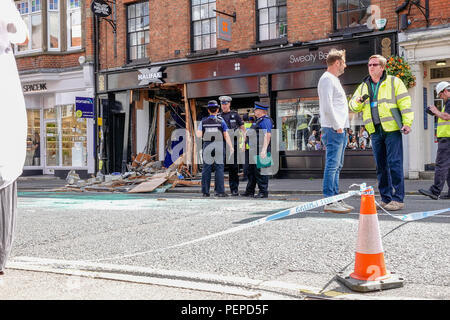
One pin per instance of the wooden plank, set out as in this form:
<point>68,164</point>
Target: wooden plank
<point>148,186</point>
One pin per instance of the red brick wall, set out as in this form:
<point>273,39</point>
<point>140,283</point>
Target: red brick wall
<point>307,20</point>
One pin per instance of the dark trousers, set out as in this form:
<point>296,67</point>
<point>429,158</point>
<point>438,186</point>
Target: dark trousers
<point>256,178</point>
<point>442,168</point>
<point>388,152</point>
<point>219,186</point>
<point>246,163</point>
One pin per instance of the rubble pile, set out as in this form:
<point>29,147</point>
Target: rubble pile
<point>144,175</point>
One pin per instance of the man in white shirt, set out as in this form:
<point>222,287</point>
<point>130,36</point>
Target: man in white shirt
<point>334,120</point>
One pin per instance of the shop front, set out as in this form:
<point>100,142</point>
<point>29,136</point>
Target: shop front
<point>286,78</point>
<point>60,135</point>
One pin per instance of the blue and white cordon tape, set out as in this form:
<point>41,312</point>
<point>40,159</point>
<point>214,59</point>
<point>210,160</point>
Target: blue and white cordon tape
<point>363,189</point>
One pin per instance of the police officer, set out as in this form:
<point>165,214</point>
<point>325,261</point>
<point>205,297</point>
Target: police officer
<point>262,128</point>
<point>213,131</point>
<point>441,171</point>
<point>234,122</point>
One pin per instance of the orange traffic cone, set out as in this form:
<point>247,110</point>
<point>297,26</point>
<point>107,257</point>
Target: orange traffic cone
<point>370,270</point>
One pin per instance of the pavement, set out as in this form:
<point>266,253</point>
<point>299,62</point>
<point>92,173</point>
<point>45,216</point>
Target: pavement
<point>276,186</point>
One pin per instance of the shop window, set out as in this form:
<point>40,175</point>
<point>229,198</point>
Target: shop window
<point>299,121</point>
<point>203,24</point>
<point>65,137</point>
<point>350,13</point>
<point>33,138</point>
<point>73,24</point>
<point>272,19</point>
<point>30,11</point>
<point>53,21</point>
<point>138,30</point>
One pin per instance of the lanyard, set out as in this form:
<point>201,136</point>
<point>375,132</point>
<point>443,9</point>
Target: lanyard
<point>375,91</point>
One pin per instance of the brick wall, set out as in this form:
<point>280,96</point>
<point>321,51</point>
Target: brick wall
<point>307,20</point>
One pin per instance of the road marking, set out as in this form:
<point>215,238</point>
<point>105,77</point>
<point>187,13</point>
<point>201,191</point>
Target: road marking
<point>240,286</point>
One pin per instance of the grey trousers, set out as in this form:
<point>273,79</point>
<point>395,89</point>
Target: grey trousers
<point>442,169</point>
<point>8,209</point>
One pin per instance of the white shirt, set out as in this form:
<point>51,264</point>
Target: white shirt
<point>333,104</point>
<point>13,117</point>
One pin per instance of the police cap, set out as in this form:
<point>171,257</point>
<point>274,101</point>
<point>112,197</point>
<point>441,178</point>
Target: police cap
<point>212,104</point>
<point>262,106</point>
<point>225,99</point>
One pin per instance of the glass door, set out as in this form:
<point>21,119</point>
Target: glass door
<point>52,138</point>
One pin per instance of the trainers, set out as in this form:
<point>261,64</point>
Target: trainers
<point>382,204</point>
<point>428,193</point>
<point>335,207</point>
<point>345,205</point>
<point>394,206</point>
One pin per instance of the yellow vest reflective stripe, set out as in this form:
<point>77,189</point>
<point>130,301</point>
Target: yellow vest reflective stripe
<point>247,125</point>
<point>391,94</point>
<point>443,127</point>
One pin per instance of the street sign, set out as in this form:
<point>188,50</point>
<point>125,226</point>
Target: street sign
<point>224,28</point>
<point>101,8</point>
<point>84,107</point>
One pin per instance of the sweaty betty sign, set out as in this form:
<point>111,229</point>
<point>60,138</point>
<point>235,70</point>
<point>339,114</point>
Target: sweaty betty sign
<point>312,57</point>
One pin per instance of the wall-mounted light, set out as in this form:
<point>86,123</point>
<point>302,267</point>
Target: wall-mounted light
<point>441,63</point>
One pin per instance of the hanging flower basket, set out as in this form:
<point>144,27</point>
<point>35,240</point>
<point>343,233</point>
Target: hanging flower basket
<point>398,67</point>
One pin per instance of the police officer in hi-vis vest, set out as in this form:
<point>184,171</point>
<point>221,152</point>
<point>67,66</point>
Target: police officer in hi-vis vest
<point>213,131</point>
<point>442,168</point>
<point>234,123</point>
<point>262,129</point>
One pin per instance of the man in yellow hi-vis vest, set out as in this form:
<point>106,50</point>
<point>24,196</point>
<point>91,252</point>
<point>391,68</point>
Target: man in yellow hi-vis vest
<point>442,168</point>
<point>386,107</point>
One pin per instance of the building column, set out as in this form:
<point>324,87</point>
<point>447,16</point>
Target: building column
<point>416,139</point>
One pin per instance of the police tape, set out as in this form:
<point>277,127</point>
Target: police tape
<point>281,214</point>
<point>415,215</point>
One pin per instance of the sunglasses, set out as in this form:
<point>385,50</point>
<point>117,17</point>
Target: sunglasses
<point>373,64</point>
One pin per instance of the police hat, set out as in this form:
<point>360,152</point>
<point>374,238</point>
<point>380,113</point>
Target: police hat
<point>260,105</point>
<point>225,99</point>
<point>212,104</point>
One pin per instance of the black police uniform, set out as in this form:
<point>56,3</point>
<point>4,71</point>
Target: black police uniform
<point>213,124</point>
<point>254,174</point>
<point>234,122</point>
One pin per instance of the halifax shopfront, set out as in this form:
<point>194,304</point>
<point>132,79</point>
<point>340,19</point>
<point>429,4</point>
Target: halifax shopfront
<point>286,78</point>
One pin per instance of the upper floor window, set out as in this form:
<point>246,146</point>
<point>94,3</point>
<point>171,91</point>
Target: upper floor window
<point>350,13</point>
<point>203,24</point>
<point>53,25</point>
<point>272,19</point>
<point>30,10</point>
<point>73,24</point>
<point>138,30</point>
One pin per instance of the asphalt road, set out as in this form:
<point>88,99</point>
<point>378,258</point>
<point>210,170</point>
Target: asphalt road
<point>116,233</point>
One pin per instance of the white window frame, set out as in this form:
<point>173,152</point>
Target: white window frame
<point>69,11</point>
<point>29,14</point>
<point>48,25</point>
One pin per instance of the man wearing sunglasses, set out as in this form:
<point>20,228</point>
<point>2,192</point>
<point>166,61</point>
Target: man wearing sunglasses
<point>386,107</point>
<point>442,168</point>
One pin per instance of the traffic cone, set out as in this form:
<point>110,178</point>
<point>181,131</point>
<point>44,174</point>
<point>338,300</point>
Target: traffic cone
<point>370,272</point>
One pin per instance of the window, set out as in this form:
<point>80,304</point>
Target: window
<point>30,10</point>
<point>350,13</point>
<point>272,19</point>
<point>203,24</point>
<point>299,120</point>
<point>73,24</point>
<point>53,25</point>
<point>138,30</point>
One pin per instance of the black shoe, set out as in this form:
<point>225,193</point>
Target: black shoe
<point>428,193</point>
<point>262,195</point>
<point>234,193</point>
<point>221,195</point>
<point>206,195</point>
<point>247,194</point>
<point>445,197</point>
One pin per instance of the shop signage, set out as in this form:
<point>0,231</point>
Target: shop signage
<point>100,8</point>
<point>224,27</point>
<point>35,87</point>
<point>309,58</point>
<point>84,107</point>
<point>152,75</point>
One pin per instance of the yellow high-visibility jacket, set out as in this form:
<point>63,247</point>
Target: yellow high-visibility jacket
<point>443,126</point>
<point>392,94</point>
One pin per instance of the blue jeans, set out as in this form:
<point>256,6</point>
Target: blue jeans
<point>388,151</point>
<point>335,144</point>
